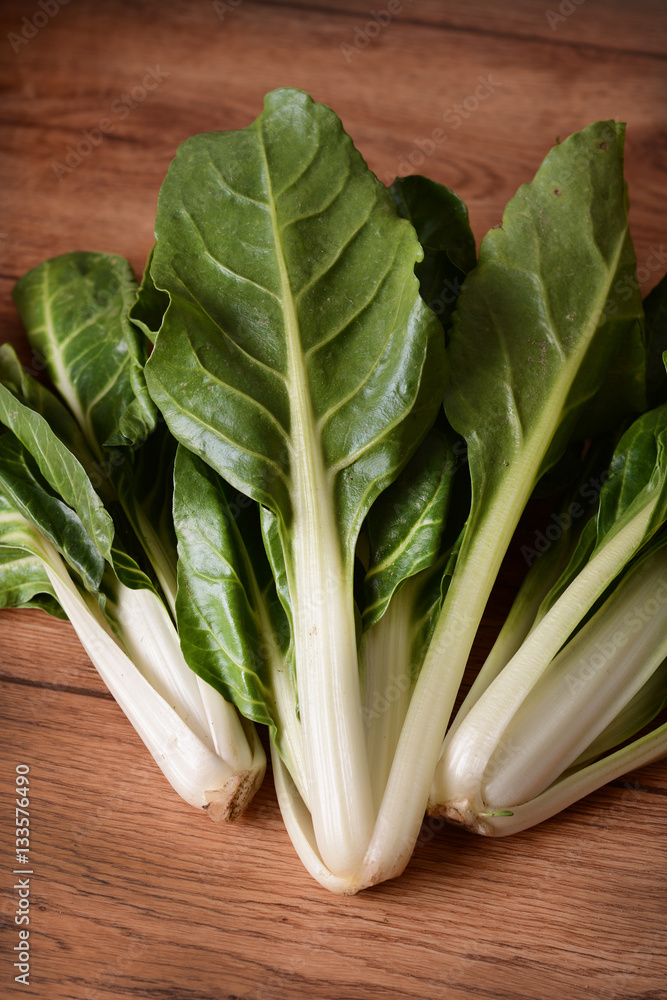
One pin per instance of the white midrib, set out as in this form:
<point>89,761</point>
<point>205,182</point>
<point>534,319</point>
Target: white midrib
<point>336,769</point>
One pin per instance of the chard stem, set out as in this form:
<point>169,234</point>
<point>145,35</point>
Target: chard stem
<point>575,786</point>
<point>329,697</point>
<point>407,790</point>
<point>460,772</point>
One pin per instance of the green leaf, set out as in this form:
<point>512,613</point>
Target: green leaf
<point>535,306</point>
<point>637,477</point>
<point>283,258</point>
<point>223,575</point>
<point>298,359</point>
<point>31,496</point>
<point>406,523</point>
<point>23,580</point>
<point>143,478</point>
<point>37,397</point>
<point>440,218</point>
<point>150,305</point>
<point>59,467</point>
<point>54,440</point>
<point>75,311</point>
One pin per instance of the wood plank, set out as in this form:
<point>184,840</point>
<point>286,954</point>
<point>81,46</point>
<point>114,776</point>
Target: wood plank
<point>610,24</point>
<point>391,100</point>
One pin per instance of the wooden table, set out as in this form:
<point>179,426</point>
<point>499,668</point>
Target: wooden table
<point>133,894</point>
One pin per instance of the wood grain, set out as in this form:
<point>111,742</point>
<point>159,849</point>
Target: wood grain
<point>134,894</point>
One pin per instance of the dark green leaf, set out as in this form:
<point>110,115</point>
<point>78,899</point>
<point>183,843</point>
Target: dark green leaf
<point>294,313</point>
<point>222,614</point>
<point>59,467</point>
<point>440,218</point>
<point>531,342</point>
<point>75,311</point>
<point>31,496</point>
<point>406,522</point>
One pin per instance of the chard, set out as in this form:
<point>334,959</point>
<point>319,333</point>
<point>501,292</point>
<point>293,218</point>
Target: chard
<point>591,670</point>
<point>83,477</point>
<point>533,355</point>
<point>297,358</point>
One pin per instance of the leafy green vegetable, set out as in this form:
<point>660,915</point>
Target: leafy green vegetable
<point>75,310</point>
<point>297,358</point>
<point>530,346</point>
<point>47,467</point>
<point>23,581</point>
<point>567,685</point>
<point>324,532</point>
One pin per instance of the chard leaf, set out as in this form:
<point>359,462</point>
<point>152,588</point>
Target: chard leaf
<point>406,522</point>
<point>75,311</point>
<point>440,218</point>
<point>535,306</point>
<point>53,438</point>
<point>624,392</point>
<point>150,304</point>
<point>24,582</point>
<point>298,359</point>
<point>59,467</point>
<point>283,258</point>
<point>219,601</point>
<point>232,626</point>
<point>143,478</point>
<point>637,477</point>
<point>31,496</point>
<point>37,397</point>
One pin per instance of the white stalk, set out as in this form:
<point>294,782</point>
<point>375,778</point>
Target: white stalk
<point>299,825</point>
<point>648,702</point>
<point>193,769</point>
<point>585,688</point>
<point>385,656</point>
<point>147,634</point>
<point>514,630</point>
<point>571,788</point>
<point>406,794</point>
<point>459,775</point>
<point>337,778</point>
